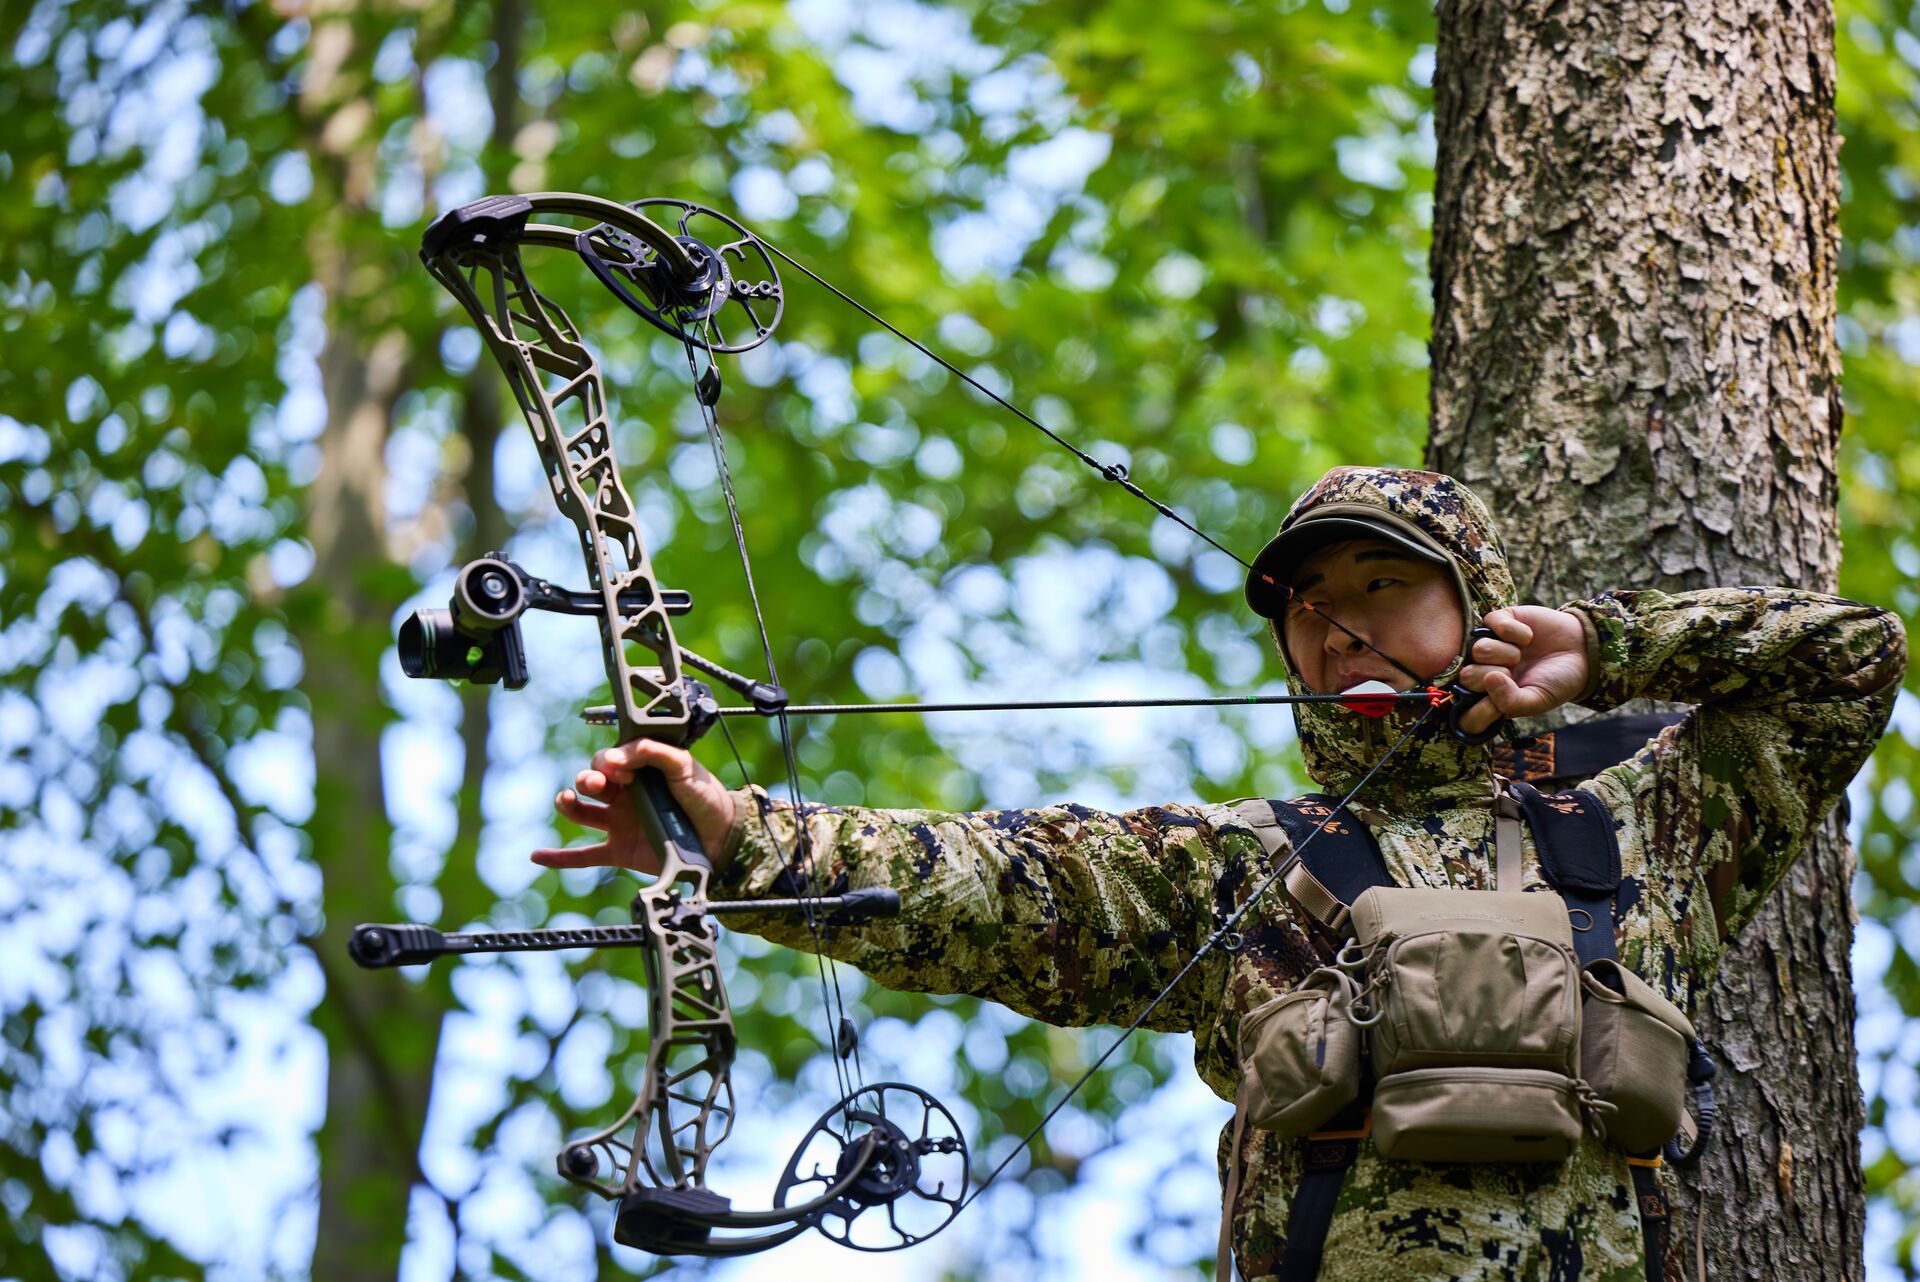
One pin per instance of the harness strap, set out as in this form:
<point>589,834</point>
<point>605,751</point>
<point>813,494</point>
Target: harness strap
<point>1656,1218</point>
<point>1223,1260</point>
<point>1308,891</point>
<point>1506,839</point>
<point>1580,857</point>
<point>1330,1154</point>
<point>1573,837</point>
<point>1340,864</point>
<point>1343,861</point>
<point>1578,751</point>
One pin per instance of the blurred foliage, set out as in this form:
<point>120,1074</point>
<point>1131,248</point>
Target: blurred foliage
<point>1188,236</point>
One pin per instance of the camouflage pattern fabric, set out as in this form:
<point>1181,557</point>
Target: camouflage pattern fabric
<point>1079,917</point>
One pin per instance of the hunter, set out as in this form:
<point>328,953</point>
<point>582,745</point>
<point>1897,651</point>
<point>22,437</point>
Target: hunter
<point>1079,917</point>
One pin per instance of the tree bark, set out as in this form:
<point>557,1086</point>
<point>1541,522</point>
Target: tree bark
<point>1634,362</point>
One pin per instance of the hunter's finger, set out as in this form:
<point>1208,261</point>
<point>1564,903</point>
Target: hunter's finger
<point>622,760</point>
<point>1490,650</point>
<point>594,856</point>
<point>581,811</point>
<point>1512,698</point>
<point>600,785</point>
<point>1474,676</point>
<point>1507,627</point>
<point>1479,717</point>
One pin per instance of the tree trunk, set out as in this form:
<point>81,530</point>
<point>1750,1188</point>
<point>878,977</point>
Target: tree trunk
<point>382,1035</point>
<point>376,1082</point>
<point>1634,362</point>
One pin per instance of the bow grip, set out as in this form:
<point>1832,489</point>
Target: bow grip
<point>665,823</point>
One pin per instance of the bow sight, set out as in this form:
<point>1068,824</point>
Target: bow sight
<point>477,637</point>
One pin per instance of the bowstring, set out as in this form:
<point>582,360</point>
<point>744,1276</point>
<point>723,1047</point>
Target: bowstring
<point>848,1078</point>
<point>1115,472</point>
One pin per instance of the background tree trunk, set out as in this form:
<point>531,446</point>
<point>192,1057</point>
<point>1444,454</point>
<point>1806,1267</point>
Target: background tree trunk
<point>1634,362</point>
<point>382,1037</point>
<point>379,1088</point>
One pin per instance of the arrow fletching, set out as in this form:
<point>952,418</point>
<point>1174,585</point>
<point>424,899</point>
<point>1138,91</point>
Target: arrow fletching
<point>1370,698</point>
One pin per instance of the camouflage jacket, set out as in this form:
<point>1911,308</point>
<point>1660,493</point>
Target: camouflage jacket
<point>1080,917</point>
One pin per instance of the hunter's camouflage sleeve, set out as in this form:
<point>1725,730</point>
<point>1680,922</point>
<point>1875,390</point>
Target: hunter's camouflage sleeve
<point>1791,692</point>
<point>1065,914</point>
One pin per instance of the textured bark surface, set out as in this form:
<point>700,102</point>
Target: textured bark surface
<point>1634,362</point>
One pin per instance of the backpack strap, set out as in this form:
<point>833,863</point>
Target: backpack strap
<point>1324,1167</point>
<point>1579,857</point>
<point>1344,858</point>
<point>1223,1257</point>
<point>1338,864</point>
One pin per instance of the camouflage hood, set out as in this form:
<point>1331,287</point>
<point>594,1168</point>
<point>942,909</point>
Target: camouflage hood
<point>1340,746</point>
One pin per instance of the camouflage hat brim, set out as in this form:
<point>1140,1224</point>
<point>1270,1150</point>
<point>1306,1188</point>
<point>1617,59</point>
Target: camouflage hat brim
<point>1273,570</point>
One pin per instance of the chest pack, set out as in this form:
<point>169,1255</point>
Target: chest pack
<point>1462,1025</point>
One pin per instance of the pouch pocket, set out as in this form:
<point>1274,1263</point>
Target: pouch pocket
<point>1466,997</point>
<point>1633,1054</point>
<point>1300,1056</point>
<point>1476,1115</point>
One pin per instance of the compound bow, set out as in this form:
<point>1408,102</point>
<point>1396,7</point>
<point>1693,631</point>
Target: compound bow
<point>886,1166</point>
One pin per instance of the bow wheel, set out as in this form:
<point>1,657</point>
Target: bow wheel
<point>730,302</point>
<point>908,1186</point>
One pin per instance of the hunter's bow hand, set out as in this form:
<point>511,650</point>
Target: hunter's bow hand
<point>705,801</point>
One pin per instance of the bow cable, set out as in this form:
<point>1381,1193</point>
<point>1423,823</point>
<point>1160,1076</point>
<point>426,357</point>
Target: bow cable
<point>809,889</point>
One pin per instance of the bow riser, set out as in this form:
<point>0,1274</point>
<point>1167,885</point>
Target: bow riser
<point>533,342</point>
<point>686,1097</point>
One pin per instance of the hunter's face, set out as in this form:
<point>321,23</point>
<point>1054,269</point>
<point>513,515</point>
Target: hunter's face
<point>1408,607</point>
